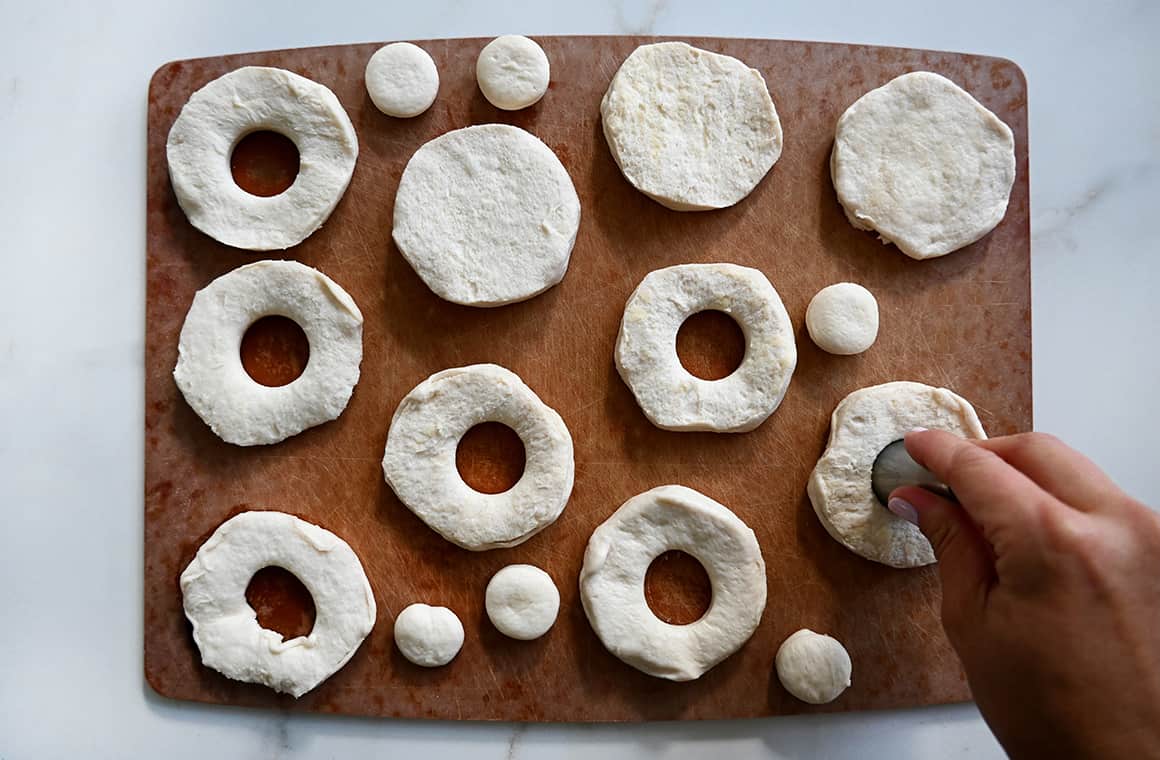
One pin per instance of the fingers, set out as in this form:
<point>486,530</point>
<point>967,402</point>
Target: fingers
<point>1058,469</point>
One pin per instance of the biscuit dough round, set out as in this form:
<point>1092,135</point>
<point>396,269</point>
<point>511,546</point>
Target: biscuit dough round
<point>646,355</point>
<point>209,368</point>
<point>254,99</point>
<point>512,72</point>
<point>863,424</point>
<point>522,602</point>
<point>618,557</point>
<point>691,129</point>
<point>843,318</point>
<point>225,627</point>
<point>813,667</point>
<point>402,80</point>
<point>428,636</point>
<point>486,215</point>
<point>923,164</point>
<point>419,460</point>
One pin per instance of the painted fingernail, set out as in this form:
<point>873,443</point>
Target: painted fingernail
<point>903,509</point>
<point>918,430</point>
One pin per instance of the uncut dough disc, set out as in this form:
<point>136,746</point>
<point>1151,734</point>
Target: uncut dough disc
<point>813,667</point>
<point>512,72</point>
<point>923,164</point>
<point>428,636</point>
<point>691,129</point>
<point>843,318</point>
<point>522,602</point>
<point>402,80</point>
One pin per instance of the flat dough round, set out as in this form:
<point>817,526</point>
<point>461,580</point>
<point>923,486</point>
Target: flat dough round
<point>813,667</point>
<point>863,424</point>
<point>225,627</point>
<point>691,129</point>
<point>209,368</point>
<point>923,164</point>
<point>512,72</point>
<point>486,215</point>
<point>522,602</point>
<point>402,80</point>
<point>428,636</point>
<point>843,318</point>
<point>253,99</point>
<point>618,557</point>
<point>646,354</point>
<point>419,461</point>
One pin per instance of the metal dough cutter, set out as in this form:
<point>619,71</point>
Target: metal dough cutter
<point>894,468</point>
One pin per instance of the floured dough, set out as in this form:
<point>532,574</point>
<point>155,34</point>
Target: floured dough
<point>209,368</point>
<point>618,557</point>
<point>813,667</point>
<point>512,72</point>
<point>419,460</point>
<point>428,636</point>
<point>646,353</point>
<point>486,215</point>
<point>522,602</point>
<point>861,426</point>
<point>691,129</point>
<point>252,99</point>
<point>843,318</point>
<point>225,627</point>
<point>402,79</point>
<point>923,164</point>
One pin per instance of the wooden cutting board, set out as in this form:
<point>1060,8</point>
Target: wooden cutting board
<point>962,321</point>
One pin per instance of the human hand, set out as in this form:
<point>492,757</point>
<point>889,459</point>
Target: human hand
<point>1051,593</point>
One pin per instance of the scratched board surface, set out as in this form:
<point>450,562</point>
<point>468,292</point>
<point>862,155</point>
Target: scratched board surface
<point>962,321</point>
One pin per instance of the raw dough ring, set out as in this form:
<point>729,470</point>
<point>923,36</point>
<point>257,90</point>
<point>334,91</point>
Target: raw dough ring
<point>225,627</point>
<point>647,359</point>
<point>252,99</point>
<point>419,460</point>
<point>861,426</point>
<point>209,368</point>
<point>619,554</point>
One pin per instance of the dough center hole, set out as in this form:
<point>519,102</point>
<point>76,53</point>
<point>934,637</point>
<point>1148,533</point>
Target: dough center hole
<point>710,345</point>
<point>282,603</point>
<point>490,457</point>
<point>275,351</point>
<point>265,163</point>
<point>677,588</point>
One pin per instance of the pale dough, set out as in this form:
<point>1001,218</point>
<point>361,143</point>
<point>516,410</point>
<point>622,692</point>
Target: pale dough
<point>522,602</point>
<point>402,80</point>
<point>512,72</point>
<point>428,636</point>
<point>691,129</point>
<point>923,164</point>
<point>843,318</point>
<point>813,667</point>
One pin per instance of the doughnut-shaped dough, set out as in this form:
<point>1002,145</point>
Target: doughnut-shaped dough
<point>402,80</point>
<point>428,636</point>
<point>693,130</point>
<point>668,394</point>
<point>419,461</point>
<point>225,627</point>
<point>813,667</point>
<point>619,554</point>
<point>252,99</point>
<point>923,164</point>
<point>209,368</point>
<point>843,319</point>
<point>486,215</point>
<point>512,72</point>
<point>861,426</point>
<point>522,602</point>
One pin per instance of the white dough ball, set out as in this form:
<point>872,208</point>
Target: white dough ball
<point>512,72</point>
<point>843,319</point>
<point>402,79</point>
<point>813,667</point>
<point>522,602</point>
<point>428,636</point>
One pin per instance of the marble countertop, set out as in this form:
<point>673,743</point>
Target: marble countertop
<point>73,80</point>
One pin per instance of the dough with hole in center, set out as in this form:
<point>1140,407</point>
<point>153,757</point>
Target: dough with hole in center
<point>843,319</point>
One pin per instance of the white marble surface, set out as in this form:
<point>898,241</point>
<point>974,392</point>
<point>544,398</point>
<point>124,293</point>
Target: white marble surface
<point>73,79</point>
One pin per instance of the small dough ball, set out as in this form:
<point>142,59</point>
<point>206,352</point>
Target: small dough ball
<point>402,79</point>
<point>428,636</point>
<point>843,319</point>
<point>522,602</point>
<point>512,72</point>
<point>813,667</point>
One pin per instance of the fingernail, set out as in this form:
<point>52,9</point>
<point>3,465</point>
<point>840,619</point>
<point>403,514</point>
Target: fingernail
<point>903,509</point>
<point>918,430</point>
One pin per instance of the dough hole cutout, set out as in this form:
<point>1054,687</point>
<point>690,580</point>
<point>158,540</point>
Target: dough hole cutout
<point>677,588</point>
<point>275,351</point>
<point>490,457</point>
<point>281,602</point>
<point>710,345</point>
<point>265,163</point>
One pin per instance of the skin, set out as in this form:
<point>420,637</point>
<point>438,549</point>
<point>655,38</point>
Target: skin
<point>1051,593</point>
